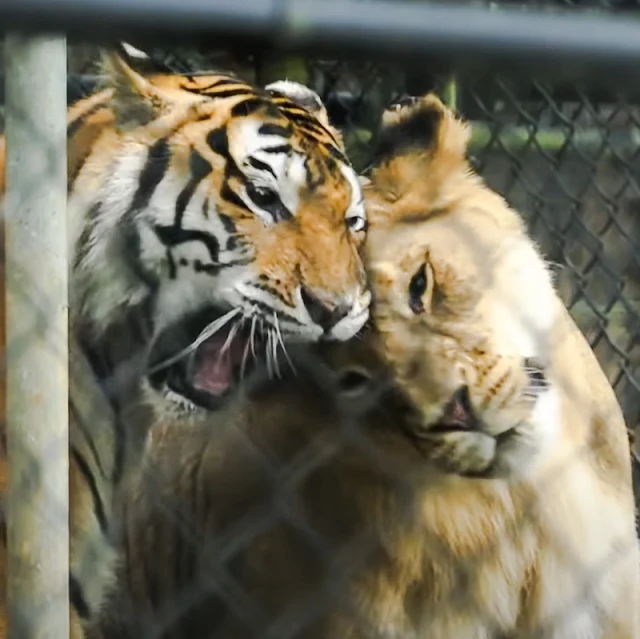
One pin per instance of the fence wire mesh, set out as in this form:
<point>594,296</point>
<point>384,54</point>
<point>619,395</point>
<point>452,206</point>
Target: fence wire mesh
<point>250,530</point>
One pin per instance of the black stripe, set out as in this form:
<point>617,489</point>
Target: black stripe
<point>315,131</point>
<point>331,165</point>
<point>75,124</point>
<point>217,140</point>
<point>305,119</point>
<point>227,193</point>
<point>227,223</point>
<point>224,93</point>
<point>231,93</point>
<point>77,598</point>
<point>231,170</point>
<point>151,175</point>
<point>301,115</point>
<point>230,228</point>
<point>247,107</point>
<point>226,81</point>
<point>199,168</point>
<point>171,236</point>
<point>261,166</point>
<point>268,310</point>
<point>275,129</point>
<point>313,181</point>
<point>285,104</point>
<point>131,253</point>
<point>280,148</point>
<point>337,154</point>
<point>272,291</point>
<point>98,506</point>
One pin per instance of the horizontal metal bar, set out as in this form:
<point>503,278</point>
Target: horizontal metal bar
<point>576,43</point>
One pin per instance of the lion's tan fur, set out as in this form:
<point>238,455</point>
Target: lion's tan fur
<point>553,541</point>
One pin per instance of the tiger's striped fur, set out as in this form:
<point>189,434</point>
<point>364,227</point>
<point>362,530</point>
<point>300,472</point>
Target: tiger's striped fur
<point>189,196</point>
<point>193,195</point>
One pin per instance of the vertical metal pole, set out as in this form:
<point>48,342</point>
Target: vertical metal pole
<point>449,93</point>
<point>36,331</point>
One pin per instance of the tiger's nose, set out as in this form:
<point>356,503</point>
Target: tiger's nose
<point>323,315</point>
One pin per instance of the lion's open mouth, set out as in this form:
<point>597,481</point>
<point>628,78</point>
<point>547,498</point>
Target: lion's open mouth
<point>457,415</point>
<point>204,357</point>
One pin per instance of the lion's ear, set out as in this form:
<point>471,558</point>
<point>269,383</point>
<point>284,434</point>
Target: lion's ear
<point>421,145</point>
<point>424,127</point>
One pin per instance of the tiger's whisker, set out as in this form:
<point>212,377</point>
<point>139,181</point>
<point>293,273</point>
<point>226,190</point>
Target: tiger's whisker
<point>245,352</point>
<point>252,335</point>
<point>267,353</point>
<point>274,348</point>
<point>204,335</point>
<point>232,333</point>
<point>284,348</point>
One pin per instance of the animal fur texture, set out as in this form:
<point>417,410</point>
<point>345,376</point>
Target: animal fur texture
<point>368,495</point>
<point>191,198</point>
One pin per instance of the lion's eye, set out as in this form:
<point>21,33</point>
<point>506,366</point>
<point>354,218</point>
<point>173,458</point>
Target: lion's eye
<point>417,288</point>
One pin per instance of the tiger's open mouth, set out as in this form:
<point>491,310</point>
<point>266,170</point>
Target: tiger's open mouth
<point>205,356</point>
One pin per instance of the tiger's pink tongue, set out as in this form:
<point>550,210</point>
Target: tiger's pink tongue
<point>214,368</point>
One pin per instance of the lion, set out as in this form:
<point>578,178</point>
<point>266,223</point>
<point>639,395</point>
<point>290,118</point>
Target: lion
<point>515,410</point>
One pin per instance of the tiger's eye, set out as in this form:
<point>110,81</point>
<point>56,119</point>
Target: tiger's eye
<point>263,197</point>
<point>417,288</point>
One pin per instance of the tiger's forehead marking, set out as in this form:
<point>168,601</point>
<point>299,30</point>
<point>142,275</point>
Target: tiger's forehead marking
<point>270,160</point>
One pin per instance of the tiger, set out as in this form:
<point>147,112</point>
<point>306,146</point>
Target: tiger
<point>528,515</point>
<point>213,214</point>
<point>210,222</point>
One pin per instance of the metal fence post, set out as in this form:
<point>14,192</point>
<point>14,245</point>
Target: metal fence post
<point>36,330</point>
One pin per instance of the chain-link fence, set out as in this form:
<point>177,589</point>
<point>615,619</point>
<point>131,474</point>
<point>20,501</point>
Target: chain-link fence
<point>257,530</point>
<point>567,159</point>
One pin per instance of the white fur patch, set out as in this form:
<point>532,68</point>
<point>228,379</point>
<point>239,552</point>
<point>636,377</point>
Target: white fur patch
<point>290,172</point>
<point>523,301</point>
<point>298,93</point>
<point>546,418</point>
<point>356,204</point>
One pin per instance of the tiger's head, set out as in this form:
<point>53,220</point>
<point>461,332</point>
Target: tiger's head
<point>227,214</point>
<point>464,305</point>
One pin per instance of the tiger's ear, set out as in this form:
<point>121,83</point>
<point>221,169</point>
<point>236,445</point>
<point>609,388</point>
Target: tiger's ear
<point>302,96</point>
<point>422,127</point>
<point>136,100</point>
